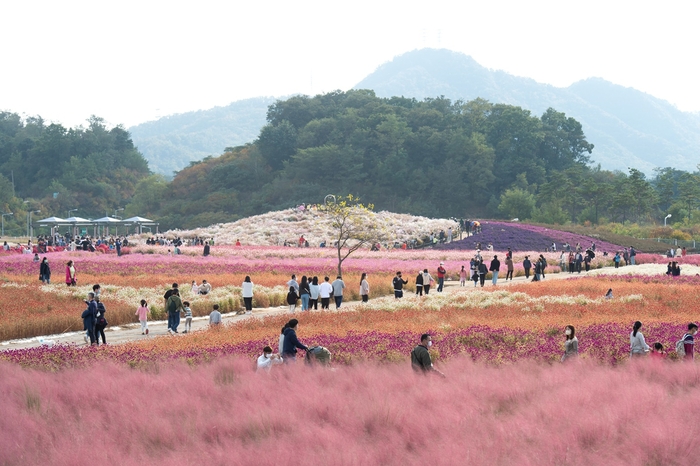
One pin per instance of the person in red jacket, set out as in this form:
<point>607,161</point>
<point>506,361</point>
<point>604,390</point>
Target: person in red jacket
<point>441,277</point>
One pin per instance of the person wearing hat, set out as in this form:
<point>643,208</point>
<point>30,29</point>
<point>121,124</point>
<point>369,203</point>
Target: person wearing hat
<point>441,277</point>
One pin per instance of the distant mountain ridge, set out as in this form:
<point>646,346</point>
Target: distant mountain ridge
<point>628,127</point>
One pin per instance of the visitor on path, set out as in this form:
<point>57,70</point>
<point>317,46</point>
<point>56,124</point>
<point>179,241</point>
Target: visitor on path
<point>70,274</point>
<point>579,261</point>
<point>100,322</point>
<point>616,259</point>
<point>441,277</point>
<point>633,255</point>
<point>142,312</point>
<point>292,298</point>
<point>89,317</point>
<point>291,342</point>
<point>570,344</point>
<point>609,294</point>
<point>188,317</point>
<point>304,293</point>
<point>494,268</point>
<point>325,289</point>
<point>638,346</point>
<point>313,293</point>
<point>689,342</point>
<point>364,288</point>
<point>675,270</point>
<point>214,317</point>
<point>174,307</point>
<point>572,262</point>
<point>268,359</point>
<point>207,249</point>
<point>626,257</point>
<point>527,265</point>
<point>167,296</point>
<point>543,266</point>
<point>247,293</point>
<point>195,288</point>
<point>463,277</point>
<point>420,356</point>
<point>204,288</point>
<point>562,261</point>
<point>45,271</point>
<point>538,270</point>
<point>509,268</point>
<point>483,270</point>
<point>338,287</point>
<point>398,284</point>
<point>427,281</point>
<point>587,260</point>
<point>293,282</point>
<point>419,283</point>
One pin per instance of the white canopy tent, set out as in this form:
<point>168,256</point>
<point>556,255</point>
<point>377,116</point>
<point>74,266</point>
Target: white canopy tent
<point>139,222</point>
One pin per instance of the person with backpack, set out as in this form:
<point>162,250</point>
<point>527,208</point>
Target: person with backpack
<point>638,346</point>
<point>441,277</point>
<point>166,297</point>
<point>685,347</point>
<point>100,322</point>
<point>174,307</point>
<point>398,284</point>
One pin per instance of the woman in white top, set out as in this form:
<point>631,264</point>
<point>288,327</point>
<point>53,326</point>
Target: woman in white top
<point>314,289</point>
<point>364,288</point>
<point>427,280</point>
<point>247,293</point>
<point>195,288</point>
<point>638,346</point>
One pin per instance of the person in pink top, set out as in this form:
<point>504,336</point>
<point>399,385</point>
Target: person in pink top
<point>463,277</point>
<point>142,312</point>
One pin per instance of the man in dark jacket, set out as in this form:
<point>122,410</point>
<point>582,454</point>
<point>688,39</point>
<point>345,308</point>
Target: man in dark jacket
<point>398,283</point>
<point>527,265</point>
<point>291,342</point>
<point>90,317</point>
<point>495,267</point>
<point>420,356</point>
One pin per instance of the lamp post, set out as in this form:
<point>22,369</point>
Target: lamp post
<point>71,210</point>
<point>31,227</point>
<point>3,222</point>
<point>115,213</point>
<point>666,218</point>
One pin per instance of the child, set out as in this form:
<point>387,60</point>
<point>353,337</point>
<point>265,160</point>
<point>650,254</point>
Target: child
<point>609,294</point>
<point>292,299</point>
<point>142,312</point>
<point>657,351</point>
<point>195,288</point>
<point>188,317</point>
<point>462,277</point>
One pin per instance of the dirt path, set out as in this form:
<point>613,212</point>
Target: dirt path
<point>158,328</point>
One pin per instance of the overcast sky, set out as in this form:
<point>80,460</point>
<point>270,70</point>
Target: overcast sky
<point>133,61</point>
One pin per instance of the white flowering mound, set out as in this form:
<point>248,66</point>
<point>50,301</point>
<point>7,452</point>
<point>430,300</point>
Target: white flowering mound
<point>645,269</point>
<point>274,228</point>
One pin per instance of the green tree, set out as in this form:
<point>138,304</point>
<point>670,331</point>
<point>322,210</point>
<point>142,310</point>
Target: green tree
<point>517,203</point>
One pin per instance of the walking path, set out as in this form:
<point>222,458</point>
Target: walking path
<point>158,328</point>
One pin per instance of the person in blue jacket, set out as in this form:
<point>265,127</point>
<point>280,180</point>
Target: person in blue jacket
<point>90,317</point>
<point>291,342</point>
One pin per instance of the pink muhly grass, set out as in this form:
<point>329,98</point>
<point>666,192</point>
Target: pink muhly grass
<point>224,413</point>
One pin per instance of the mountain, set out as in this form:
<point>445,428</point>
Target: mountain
<point>628,128</point>
<point>171,143</point>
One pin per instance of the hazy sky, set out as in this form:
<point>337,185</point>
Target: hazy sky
<point>132,61</point>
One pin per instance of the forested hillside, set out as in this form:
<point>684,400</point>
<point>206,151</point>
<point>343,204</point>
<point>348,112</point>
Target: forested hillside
<point>94,170</point>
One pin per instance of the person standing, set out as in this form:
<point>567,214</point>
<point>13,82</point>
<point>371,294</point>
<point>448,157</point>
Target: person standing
<point>364,288</point>
<point>100,322</point>
<point>188,316</point>
<point>449,235</point>
<point>70,274</point>
<point>570,344</point>
<point>689,342</point>
<point>587,260</point>
<point>474,270</point>
<point>527,265</point>
<point>45,271</point>
<point>494,268</point>
<point>633,255</point>
<point>293,282</point>
<point>195,288</point>
<point>174,307</point>
<point>304,293</point>
<point>247,293</point>
<point>90,317</point>
<point>626,257</point>
<point>118,245</point>
<point>291,342</point>
<point>292,298</point>
<point>166,297</point>
<point>483,270</point>
<point>214,317</point>
<point>509,268</point>
<point>427,281</point>
<point>207,248</point>
<point>338,287</point>
<point>313,293</point>
<point>325,290</point>
<point>398,284</point>
<point>463,277</point>
<point>543,266</point>
<point>638,346</point>
<point>420,356</point>
<point>616,259</point>
<point>441,277</point>
<point>579,260</point>
<point>419,283</point>
<point>142,312</point>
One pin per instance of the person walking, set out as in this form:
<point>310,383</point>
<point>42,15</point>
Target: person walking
<point>338,287</point>
<point>638,346</point>
<point>527,265</point>
<point>419,283</point>
<point>538,270</point>
<point>570,344</point>
<point>174,307</point>
<point>207,249</point>
<point>325,290</point>
<point>45,271</point>
<point>689,342</point>
<point>463,277</point>
<point>427,281</point>
<point>572,262</point>
<point>420,356</point>
<point>89,317</point>
<point>70,274</point>
<point>247,293</point>
<point>398,284</point>
<point>616,259</point>
<point>543,266</point>
<point>313,293</point>
<point>494,268</point>
<point>441,277</point>
<point>293,282</point>
<point>142,312</point>
<point>633,255</point>
<point>579,261</point>
<point>509,268</point>
<point>291,342</point>
<point>166,297</point>
<point>364,288</point>
<point>188,317</point>
<point>483,270</point>
<point>292,299</point>
<point>304,293</point>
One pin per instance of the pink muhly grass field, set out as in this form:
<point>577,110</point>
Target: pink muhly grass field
<point>224,413</point>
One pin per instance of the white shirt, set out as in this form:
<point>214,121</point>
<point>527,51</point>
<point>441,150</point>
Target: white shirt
<point>247,289</point>
<point>325,289</point>
<point>314,289</point>
<point>266,363</point>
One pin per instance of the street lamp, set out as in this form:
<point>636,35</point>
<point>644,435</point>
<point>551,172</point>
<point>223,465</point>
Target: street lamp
<point>3,223</point>
<point>31,227</point>
<point>666,218</point>
<point>115,213</point>
<point>72,210</point>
